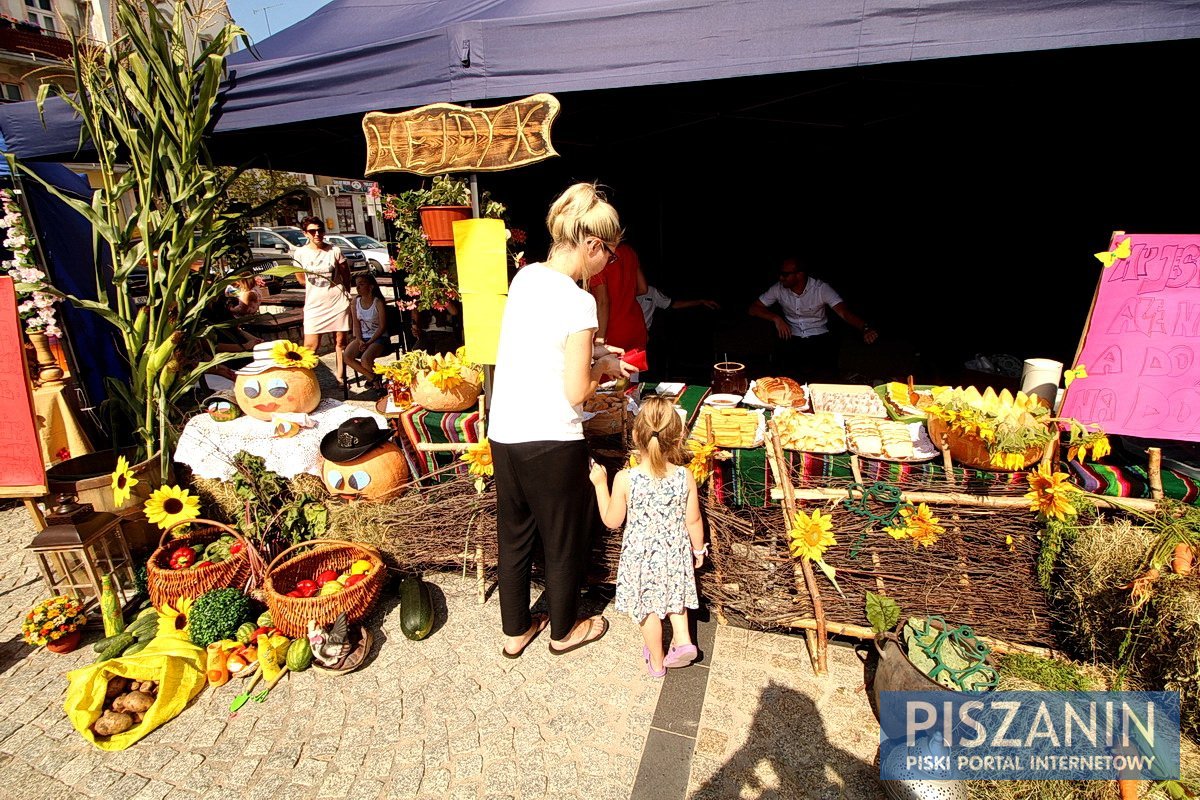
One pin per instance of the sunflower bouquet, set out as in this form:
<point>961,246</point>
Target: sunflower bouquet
<point>448,373</point>
<point>52,619</point>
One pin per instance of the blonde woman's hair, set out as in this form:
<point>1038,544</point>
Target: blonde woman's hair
<point>579,212</point>
<point>658,435</point>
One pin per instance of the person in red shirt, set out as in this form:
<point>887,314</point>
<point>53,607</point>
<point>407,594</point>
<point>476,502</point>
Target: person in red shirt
<point>616,288</point>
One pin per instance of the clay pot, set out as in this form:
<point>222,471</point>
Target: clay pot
<point>438,223</point>
<point>428,396</point>
<point>66,644</point>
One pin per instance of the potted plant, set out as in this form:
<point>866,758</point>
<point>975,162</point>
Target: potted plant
<point>54,624</point>
<point>430,280</point>
<point>35,298</point>
<point>439,382</point>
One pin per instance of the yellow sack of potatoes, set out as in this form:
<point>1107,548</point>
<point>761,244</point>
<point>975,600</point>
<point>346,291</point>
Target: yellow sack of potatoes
<point>175,663</point>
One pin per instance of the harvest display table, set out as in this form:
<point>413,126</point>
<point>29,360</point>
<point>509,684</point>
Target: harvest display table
<point>433,440</point>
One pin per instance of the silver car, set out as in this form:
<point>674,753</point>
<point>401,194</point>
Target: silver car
<point>376,252</point>
<point>294,237</point>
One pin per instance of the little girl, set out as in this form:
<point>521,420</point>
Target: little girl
<point>664,538</point>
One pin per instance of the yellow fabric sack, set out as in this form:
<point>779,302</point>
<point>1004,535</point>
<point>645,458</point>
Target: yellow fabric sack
<point>178,666</point>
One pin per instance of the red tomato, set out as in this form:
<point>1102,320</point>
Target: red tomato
<point>326,576</point>
<point>353,579</point>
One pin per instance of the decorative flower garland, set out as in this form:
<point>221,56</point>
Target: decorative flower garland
<point>34,304</point>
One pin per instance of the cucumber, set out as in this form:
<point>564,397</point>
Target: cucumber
<point>107,641</point>
<point>118,645</point>
<point>148,611</point>
<point>136,647</point>
<point>146,634</point>
<point>416,608</point>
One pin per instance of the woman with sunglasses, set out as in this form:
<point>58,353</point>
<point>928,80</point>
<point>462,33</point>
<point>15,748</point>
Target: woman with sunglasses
<point>326,298</point>
<point>546,366</point>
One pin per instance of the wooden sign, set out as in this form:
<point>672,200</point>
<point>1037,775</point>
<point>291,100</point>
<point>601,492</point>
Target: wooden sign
<point>1140,351</point>
<point>442,137</point>
<point>22,473</point>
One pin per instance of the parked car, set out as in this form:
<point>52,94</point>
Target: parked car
<point>283,241</point>
<point>376,252</point>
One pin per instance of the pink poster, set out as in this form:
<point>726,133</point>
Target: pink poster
<point>1140,351</point>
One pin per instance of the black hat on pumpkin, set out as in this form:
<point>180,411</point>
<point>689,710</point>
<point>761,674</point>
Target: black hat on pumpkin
<point>353,438</point>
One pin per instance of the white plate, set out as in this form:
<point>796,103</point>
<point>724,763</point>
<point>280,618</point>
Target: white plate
<point>751,399</point>
<point>669,388</point>
<point>723,400</point>
<point>923,447</point>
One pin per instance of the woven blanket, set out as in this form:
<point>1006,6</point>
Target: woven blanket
<point>437,427</point>
<point>1132,481</point>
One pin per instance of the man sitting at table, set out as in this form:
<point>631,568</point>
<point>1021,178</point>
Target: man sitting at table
<point>809,348</point>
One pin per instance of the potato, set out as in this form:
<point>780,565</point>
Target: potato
<point>112,723</point>
<point>116,685</point>
<point>118,704</point>
<point>137,718</point>
<point>138,702</point>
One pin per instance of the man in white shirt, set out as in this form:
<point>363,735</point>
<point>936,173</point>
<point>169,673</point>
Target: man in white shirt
<point>803,324</point>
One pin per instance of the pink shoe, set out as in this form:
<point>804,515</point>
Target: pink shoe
<point>650,669</point>
<point>680,656</point>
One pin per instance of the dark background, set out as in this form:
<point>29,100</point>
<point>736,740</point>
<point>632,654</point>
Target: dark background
<point>954,204</point>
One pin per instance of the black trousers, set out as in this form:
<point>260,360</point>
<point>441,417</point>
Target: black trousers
<point>543,499</point>
<point>811,360</point>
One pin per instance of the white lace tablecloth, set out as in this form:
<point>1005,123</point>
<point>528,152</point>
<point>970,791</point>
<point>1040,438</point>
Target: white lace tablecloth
<point>208,447</point>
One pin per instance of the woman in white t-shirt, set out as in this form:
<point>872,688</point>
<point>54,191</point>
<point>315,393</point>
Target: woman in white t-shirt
<point>546,366</point>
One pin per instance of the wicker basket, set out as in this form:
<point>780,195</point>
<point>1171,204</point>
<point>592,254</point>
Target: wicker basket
<point>291,614</point>
<point>166,584</point>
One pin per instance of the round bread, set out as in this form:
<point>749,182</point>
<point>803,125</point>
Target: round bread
<point>779,392</point>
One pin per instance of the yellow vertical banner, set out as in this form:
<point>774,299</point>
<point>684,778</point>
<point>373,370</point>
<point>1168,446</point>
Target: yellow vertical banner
<point>481,254</point>
<point>481,325</point>
<point>479,249</point>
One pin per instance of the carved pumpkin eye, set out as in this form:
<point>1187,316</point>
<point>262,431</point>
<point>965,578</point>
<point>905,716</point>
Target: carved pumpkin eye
<point>335,479</point>
<point>359,480</point>
<point>219,405</point>
<point>277,387</point>
<point>251,389</point>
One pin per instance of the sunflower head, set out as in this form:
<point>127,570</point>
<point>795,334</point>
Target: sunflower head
<point>810,535</point>
<point>478,458</point>
<point>1050,494</point>
<point>122,481</point>
<point>289,354</point>
<point>171,504</point>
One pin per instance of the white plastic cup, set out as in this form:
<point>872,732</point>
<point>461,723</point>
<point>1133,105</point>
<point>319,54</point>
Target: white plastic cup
<point>1040,376</point>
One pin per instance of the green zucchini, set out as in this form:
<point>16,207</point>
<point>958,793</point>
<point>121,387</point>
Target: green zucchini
<point>416,608</point>
<point>104,643</point>
<point>136,647</point>
<point>118,645</point>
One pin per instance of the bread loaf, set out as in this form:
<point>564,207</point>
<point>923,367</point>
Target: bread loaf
<point>779,392</point>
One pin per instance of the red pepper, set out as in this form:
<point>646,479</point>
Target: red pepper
<point>326,576</point>
<point>353,579</point>
<point>182,557</point>
<point>260,632</point>
<point>294,593</point>
<point>200,564</point>
<point>236,548</point>
<point>307,588</point>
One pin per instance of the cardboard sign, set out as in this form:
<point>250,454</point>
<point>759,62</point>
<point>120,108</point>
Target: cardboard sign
<point>22,473</point>
<point>1141,347</point>
<point>442,137</point>
<point>483,280</point>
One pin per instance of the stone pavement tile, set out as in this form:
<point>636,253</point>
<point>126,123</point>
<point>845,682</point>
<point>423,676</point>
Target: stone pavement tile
<point>435,782</point>
<point>405,780</point>
<point>366,789</point>
<point>663,771</point>
<point>98,781</point>
<point>153,790</point>
<point>128,786</point>
<point>681,701</point>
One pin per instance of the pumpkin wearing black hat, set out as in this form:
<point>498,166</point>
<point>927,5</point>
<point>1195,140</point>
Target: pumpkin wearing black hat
<point>360,463</point>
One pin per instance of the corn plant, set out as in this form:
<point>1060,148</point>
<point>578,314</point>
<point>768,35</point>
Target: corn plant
<point>146,103</point>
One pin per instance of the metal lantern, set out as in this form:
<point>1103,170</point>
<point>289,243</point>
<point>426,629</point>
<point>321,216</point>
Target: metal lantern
<point>72,556</point>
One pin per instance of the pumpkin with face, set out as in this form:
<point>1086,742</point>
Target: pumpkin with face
<point>380,474</point>
<point>279,390</point>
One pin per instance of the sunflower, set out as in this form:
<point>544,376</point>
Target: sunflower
<point>169,505</point>
<point>923,527</point>
<point>479,458</point>
<point>122,481</point>
<point>701,464</point>
<point>1050,494</point>
<point>810,535</point>
<point>287,354</point>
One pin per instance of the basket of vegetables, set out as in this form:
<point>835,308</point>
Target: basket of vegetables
<point>209,555</point>
<point>330,578</point>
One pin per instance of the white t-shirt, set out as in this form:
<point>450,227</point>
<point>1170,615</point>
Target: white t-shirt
<point>529,401</point>
<point>804,312</point>
<point>651,300</point>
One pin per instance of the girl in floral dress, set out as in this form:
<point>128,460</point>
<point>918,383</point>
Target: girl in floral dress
<point>664,535</point>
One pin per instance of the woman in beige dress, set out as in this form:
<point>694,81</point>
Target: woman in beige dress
<point>326,298</point>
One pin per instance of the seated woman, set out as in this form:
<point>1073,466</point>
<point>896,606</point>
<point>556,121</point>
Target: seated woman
<point>246,301</point>
<point>368,324</point>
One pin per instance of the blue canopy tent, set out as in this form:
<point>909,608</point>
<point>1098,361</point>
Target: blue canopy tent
<point>354,56</point>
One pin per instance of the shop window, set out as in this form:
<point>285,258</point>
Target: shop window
<point>345,218</point>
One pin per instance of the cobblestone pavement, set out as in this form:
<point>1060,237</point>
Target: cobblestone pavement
<point>443,718</point>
